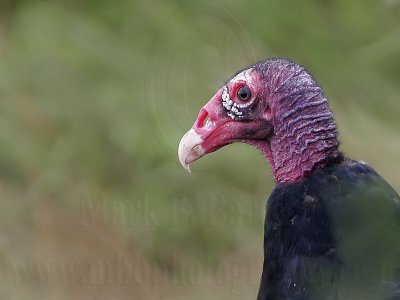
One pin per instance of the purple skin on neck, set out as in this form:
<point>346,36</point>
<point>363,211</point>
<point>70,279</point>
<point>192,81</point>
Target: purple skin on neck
<point>275,106</point>
<point>305,133</point>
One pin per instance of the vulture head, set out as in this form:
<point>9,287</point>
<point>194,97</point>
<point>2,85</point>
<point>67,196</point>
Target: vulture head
<point>275,106</point>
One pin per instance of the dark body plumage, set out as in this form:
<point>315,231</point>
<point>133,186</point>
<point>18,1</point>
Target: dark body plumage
<point>332,235</point>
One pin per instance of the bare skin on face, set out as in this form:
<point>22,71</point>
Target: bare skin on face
<point>275,106</point>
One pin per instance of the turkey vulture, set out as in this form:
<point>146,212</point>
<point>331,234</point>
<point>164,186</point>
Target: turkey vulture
<point>332,224</point>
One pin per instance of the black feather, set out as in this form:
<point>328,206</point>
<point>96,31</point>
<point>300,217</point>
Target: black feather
<point>332,235</point>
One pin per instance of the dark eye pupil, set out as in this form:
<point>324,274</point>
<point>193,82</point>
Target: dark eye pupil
<point>244,93</point>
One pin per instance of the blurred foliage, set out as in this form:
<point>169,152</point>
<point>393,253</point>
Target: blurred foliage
<point>95,96</point>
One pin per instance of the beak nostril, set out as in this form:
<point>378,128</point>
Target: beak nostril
<point>203,118</point>
<point>206,120</point>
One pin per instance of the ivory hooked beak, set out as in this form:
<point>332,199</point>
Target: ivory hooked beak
<point>190,148</point>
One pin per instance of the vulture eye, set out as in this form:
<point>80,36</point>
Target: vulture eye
<point>244,93</point>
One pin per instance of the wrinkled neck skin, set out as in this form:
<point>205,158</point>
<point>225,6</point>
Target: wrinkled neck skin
<point>304,135</point>
<point>291,166</point>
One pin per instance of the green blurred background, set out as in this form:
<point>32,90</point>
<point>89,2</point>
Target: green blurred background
<point>95,96</point>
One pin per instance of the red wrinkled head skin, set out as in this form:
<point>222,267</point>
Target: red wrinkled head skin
<point>305,133</point>
<point>286,116</point>
<point>234,124</point>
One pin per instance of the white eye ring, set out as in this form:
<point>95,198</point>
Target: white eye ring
<point>230,106</point>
